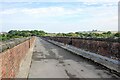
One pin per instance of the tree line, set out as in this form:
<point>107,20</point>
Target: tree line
<point>108,34</point>
<point>23,33</point>
<point>27,33</point>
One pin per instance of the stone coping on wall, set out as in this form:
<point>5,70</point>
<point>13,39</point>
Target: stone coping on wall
<point>11,43</point>
<point>116,39</point>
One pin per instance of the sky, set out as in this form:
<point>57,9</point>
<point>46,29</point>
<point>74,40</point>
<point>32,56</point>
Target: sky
<point>59,15</point>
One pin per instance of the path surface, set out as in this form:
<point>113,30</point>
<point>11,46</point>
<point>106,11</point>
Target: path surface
<point>50,61</point>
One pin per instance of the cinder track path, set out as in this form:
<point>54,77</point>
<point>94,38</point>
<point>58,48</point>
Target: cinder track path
<point>50,61</point>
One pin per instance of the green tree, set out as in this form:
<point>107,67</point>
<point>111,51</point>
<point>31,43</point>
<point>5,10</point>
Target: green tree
<point>117,34</point>
<point>59,35</point>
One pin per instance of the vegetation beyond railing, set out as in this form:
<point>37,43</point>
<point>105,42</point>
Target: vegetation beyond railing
<point>90,35</point>
<point>18,34</point>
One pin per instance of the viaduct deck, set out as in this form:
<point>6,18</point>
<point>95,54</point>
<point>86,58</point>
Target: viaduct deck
<point>51,61</point>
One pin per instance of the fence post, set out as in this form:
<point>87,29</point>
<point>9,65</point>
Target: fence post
<point>29,42</point>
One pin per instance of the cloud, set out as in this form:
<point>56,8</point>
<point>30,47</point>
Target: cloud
<point>47,11</point>
<point>59,1</point>
<point>85,14</point>
<point>9,11</point>
<point>97,1</point>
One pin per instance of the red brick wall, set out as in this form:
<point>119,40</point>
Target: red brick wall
<point>11,59</point>
<point>0,66</point>
<point>104,48</point>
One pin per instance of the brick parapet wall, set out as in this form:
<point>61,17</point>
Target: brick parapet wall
<point>11,43</point>
<point>10,59</point>
<point>0,66</point>
<point>105,47</point>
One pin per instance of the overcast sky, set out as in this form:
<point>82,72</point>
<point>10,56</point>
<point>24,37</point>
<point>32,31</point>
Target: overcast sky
<point>59,15</point>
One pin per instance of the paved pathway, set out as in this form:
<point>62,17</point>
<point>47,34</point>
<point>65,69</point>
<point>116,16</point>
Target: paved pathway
<point>50,61</point>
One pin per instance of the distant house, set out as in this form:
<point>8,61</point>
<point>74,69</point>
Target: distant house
<point>3,32</point>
